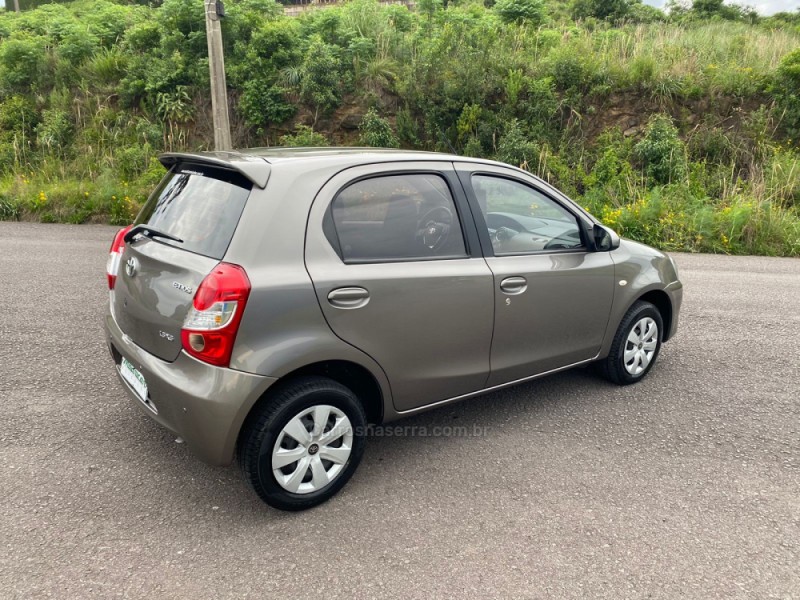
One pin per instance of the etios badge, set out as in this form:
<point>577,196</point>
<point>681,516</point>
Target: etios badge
<point>184,288</point>
<point>130,267</point>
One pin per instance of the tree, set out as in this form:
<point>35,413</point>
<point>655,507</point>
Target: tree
<point>609,10</point>
<point>644,13</point>
<point>429,7</point>
<point>321,77</point>
<point>521,11</point>
<point>707,8</point>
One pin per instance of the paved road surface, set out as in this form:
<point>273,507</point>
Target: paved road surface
<point>687,485</point>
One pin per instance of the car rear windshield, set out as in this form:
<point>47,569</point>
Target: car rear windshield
<point>199,205</point>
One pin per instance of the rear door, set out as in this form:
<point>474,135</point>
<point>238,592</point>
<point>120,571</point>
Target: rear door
<point>158,277</point>
<point>396,265</point>
<point>552,294</point>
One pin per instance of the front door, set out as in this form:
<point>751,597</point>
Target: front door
<point>552,294</point>
<point>399,275</point>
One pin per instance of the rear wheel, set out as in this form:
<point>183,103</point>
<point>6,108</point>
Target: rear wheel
<point>636,345</point>
<point>304,444</point>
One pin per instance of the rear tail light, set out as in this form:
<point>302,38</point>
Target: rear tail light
<point>115,256</point>
<point>210,328</point>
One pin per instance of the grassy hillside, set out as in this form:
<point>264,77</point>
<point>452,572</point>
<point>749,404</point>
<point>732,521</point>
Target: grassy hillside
<point>680,131</point>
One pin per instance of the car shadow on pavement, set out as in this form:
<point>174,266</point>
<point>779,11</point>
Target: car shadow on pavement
<point>401,454</point>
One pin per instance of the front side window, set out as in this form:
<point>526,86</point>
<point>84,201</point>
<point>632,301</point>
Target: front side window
<point>521,219</point>
<point>397,217</point>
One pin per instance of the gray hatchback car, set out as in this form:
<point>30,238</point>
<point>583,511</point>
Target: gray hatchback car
<point>271,304</point>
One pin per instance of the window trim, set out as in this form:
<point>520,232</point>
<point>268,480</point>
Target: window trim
<point>331,233</point>
<point>483,228</point>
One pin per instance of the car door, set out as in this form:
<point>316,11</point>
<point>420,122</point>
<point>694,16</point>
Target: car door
<point>553,294</point>
<point>397,269</point>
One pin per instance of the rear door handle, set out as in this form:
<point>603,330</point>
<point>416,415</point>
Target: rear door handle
<point>514,285</point>
<point>348,297</point>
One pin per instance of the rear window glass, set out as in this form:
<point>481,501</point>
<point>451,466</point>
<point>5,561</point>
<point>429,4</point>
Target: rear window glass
<point>199,205</point>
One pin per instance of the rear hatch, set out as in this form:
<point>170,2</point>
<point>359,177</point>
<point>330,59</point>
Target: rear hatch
<point>200,206</point>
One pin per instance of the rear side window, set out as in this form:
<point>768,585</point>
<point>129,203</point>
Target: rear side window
<point>199,205</point>
<point>396,217</point>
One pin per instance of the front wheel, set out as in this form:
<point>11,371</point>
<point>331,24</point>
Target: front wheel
<point>636,345</point>
<point>304,444</point>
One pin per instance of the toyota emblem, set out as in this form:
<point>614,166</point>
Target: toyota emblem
<point>130,267</point>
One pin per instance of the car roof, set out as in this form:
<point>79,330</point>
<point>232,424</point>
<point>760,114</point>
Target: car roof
<point>278,153</point>
<point>255,163</point>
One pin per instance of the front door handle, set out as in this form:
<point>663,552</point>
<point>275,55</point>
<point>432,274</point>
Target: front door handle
<point>514,285</point>
<point>348,297</point>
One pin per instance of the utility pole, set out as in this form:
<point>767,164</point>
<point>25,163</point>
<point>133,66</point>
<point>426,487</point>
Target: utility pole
<point>216,67</point>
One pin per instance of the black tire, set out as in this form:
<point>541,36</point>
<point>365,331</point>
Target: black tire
<point>264,427</point>
<point>613,366</point>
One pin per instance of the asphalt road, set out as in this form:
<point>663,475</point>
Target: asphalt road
<point>686,485</point>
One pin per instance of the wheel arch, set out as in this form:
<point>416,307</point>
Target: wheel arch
<point>350,374</point>
<point>661,300</point>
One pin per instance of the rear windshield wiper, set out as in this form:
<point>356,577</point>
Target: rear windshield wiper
<point>147,231</point>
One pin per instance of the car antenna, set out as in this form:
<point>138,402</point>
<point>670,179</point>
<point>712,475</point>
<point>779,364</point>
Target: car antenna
<point>446,140</point>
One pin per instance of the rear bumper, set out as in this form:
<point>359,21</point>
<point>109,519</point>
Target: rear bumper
<point>204,404</point>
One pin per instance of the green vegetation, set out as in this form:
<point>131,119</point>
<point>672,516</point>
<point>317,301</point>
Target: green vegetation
<point>678,130</point>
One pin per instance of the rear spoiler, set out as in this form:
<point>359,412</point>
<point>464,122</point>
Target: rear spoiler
<point>254,168</point>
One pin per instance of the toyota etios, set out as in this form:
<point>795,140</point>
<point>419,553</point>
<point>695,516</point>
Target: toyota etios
<point>270,304</point>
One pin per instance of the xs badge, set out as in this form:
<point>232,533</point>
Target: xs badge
<point>184,288</point>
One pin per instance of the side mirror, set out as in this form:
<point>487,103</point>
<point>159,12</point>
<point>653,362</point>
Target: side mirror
<point>605,239</point>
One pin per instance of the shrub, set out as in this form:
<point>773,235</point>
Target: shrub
<point>712,145</point>
<point>9,209</point>
<point>376,131</point>
<point>8,157</point>
<point>303,136</point>
<point>143,37</point>
<point>546,39</point>
<point>106,67</point>
<point>540,107</point>
<point>107,21</point>
<point>661,151</point>
<point>572,69</point>
<point>54,131</point>
<point>516,149</point>
<point>77,46</point>
<point>786,89</point>
<point>18,115</point>
<point>21,60</point>
<point>642,71</point>
<point>263,103</point>
<point>132,161</point>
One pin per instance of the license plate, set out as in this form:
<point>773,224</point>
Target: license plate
<point>134,378</point>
